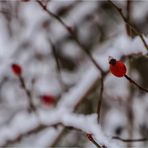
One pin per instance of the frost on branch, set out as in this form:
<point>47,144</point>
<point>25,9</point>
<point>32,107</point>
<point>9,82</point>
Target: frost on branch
<point>56,89</point>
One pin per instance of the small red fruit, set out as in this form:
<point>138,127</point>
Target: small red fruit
<point>48,99</point>
<point>17,70</point>
<point>117,68</point>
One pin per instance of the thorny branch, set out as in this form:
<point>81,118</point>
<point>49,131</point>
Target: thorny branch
<point>129,24</point>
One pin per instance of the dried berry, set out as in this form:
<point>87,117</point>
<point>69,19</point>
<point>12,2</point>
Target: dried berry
<point>89,136</point>
<point>48,99</point>
<point>17,70</point>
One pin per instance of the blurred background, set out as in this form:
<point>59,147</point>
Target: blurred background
<point>52,63</point>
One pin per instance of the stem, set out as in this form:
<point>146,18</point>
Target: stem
<point>100,98</point>
<point>137,85</point>
<point>28,93</point>
<point>130,140</point>
<point>130,116</point>
<point>54,51</point>
<point>96,144</point>
<point>128,8</point>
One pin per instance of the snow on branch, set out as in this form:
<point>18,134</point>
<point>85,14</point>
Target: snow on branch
<point>72,98</point>
<point>24,123</point>
<point>119,47</point>
<point>86,124</point>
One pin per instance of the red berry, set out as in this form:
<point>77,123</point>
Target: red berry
<point>89,136</point>
<point>16,69</point>
<point>117,68</point>
<point>48,99</point>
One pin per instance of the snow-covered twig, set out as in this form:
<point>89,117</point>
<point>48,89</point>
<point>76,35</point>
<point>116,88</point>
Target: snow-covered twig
<point>28,93</point>
<point>70,100</point>
<point>87,124</point>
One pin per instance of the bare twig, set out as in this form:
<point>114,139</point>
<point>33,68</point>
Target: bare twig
<point>130,140</point>
<point>43,127</point>
<point>89,136</point>
<point>84,48</point>
<point>137,85</point>
<point>128,8</point>
<point>100,97</point>
<point>28,93</point>
<point>54,51</point>
<point>96,144</point>
<point>130,116</point>
<point>129,24</point>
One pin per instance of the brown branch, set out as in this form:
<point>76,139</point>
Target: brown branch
<point>130,140</point>
<point>55,55</point>
<point>89,136</point>
<point>96,144</point>
<point>129,24</point>
<point>136,84</point>
<point>28,93</point>
<point>73,35</point>
<point>100,97</point>
<point>128,8</point>
<point>54,51</point>
<point>130,115</point>
<point>43,127</point>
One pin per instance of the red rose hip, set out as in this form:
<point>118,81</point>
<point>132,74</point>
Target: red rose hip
<point>117,68</point>
<point>48,99</point>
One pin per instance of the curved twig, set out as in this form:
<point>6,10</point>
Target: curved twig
<point>130,140</point>
<point>136,84</point>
